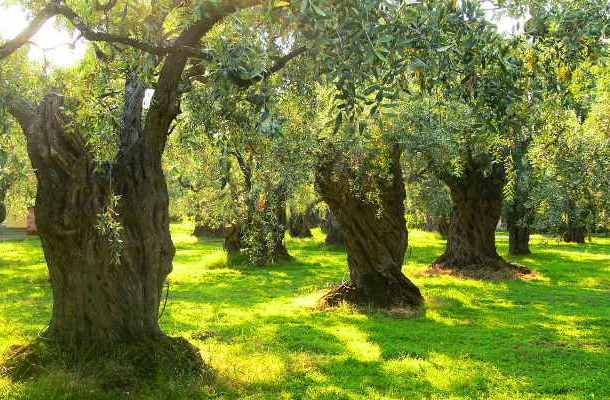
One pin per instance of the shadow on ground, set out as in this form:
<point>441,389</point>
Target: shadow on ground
<point>259,328</point>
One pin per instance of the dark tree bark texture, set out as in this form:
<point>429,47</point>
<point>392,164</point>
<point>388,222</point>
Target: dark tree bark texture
<point>375,234</point>
<point>574,234</point>
<point>298,227</point>
<point>471,241</point>
<point>334,231</point>
<point>519,215</point>
<point>206,231</point>
<point>97,297</point>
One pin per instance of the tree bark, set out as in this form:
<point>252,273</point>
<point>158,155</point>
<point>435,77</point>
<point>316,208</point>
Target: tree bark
<point>107,284</point>
<point>298,227</point>
<point>574,234</point>
<point>519,216</point>
<point>232,244</point>
<point>575,229</point>
<point>2,205</point>
<point>204,230</point>
<point>276,205</point>
<point>375,233</point>
<point>471,240</point>
<point>333,230</point>
<point>518,240</point>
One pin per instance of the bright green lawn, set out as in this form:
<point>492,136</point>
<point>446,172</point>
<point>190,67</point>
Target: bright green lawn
<point>547,338</point>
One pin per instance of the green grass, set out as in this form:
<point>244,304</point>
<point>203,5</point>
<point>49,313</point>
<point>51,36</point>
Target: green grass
<point>546,338</point>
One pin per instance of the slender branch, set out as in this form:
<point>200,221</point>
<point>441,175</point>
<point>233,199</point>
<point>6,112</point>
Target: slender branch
<point>277,66</point>
<point>55,8</point>
<point>96,36</point>
<point>22,38</point>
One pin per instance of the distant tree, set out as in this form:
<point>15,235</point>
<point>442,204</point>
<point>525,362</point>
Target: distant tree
<point>571,162</point>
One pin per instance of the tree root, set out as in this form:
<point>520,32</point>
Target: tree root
<point>493,270</point>
<point>123,367</point>
<point>346,293</point>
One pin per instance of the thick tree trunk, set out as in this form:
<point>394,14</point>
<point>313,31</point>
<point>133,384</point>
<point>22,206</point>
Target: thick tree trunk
<point>107,281</point>
<point>471,240</point>
<point>298,227</point>
<point>333,230</point>
<point>574,234</point>
<point>439,224</point>
<point>375,234</point>
<point>443,226</point>
<point>204,230</point>
<point>519,216</point>
<point>518,240</point>
<point>232,243</point>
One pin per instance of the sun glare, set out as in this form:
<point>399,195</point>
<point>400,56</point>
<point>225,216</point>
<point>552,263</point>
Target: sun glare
<point>52,45</point>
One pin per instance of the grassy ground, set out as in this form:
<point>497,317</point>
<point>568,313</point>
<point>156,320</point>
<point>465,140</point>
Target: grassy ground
<point>546,338</point>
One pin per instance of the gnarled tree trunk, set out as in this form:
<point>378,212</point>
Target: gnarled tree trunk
<point>104,228</point>
<point>107,284</point>
<point>471,240</point>
<point>333,230</point>
<point>375,233</point>
<point>518,240</point>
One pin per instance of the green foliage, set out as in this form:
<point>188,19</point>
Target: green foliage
<point>571,161</point>
<point>109,227</point>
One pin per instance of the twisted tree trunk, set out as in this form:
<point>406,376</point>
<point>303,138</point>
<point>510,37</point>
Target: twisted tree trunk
<point>375,233</point>
<point>471,240</point>
<point>107,262</point>
<point>105,228</point>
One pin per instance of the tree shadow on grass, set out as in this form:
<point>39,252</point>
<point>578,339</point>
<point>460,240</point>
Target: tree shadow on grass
<point>478,339</point>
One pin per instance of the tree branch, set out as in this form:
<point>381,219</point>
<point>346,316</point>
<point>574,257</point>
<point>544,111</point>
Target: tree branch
<point>21,109</point>
<point>55,8</point>
<point>277,66</point>
<point>165,105</point>
<point>22,38</point>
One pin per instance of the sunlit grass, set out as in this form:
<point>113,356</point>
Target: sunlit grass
<point>545,338</point>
